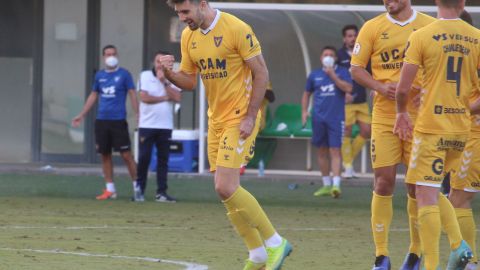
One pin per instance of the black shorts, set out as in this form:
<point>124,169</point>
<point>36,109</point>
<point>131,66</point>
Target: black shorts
<point>111,134</point>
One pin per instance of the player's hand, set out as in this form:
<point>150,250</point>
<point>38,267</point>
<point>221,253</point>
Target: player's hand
<point>330,71</point>
<point>417,99</point>
<point>305,116</point>
<point>76,121</point>
<point>348,98</point>
<point>166,62</point>
<point>388,90</point>
<point>246,127</point>
<point>403,126</point>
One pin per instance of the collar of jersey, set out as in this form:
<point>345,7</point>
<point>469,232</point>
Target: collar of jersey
<point>411,19</point>
<point>112,71</point>
<point>443,19</point>
<point>215,21</point>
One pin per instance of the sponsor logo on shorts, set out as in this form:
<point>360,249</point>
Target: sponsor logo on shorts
<point>443,144</point>
<point>226,157</point>
<point>475,184</point>
<point>437,166</point>
<point>225,146</point>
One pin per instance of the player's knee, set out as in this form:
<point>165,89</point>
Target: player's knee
<point>411,190</point>
<point>384,186</point>
<point>366,133</point>
<point>224,191</point>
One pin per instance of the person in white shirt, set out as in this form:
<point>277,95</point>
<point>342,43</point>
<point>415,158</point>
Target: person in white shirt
<point>157,97</point>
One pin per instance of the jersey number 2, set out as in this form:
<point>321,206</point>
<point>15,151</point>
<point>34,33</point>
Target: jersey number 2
<point>454,75</point>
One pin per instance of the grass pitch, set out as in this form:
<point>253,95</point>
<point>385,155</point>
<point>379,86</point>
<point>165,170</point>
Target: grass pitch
<point>54,222</point>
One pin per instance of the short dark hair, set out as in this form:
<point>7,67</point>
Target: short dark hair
<point>173,2</point>
<point>349,27</point>
<point>109,46</point>
<point>328,47</point>
<point>162,52</point>
<point>450,3</point>
<point>466,17</point>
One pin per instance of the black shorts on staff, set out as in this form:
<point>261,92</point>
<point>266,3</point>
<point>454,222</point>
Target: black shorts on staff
<point>111,134</point>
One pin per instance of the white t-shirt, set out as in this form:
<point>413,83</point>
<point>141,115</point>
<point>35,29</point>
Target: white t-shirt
<point>158,115</point>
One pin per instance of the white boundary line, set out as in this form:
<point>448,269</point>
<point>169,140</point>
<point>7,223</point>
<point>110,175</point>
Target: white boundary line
<point>188,266</point>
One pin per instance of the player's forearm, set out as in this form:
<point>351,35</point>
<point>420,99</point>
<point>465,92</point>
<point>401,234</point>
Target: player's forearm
<point>133,100</point>
<point>475,107</point>
<point>343,85</point>
<point>407,76</point>
<point>181,79</point>
<point>173,95</point>
<point>305,100</point>
<point>92,98</point>
<point>148,99</point>
<point>365,79</point>
<point>259,87</point>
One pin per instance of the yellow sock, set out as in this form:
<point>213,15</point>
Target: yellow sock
<point>251,236</point>
<point>357,146</point>
<point>251,211</point>
<point>347,152</point>
<point>449,221</point>
<point>382,213</point>
<point>429,226</point>
<point>468,228</point>
<point>415,245</point>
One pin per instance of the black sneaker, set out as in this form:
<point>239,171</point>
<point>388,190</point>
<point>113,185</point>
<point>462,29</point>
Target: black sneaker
<point>164,197</point>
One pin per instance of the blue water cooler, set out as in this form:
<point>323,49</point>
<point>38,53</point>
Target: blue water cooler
<point>183,152</point>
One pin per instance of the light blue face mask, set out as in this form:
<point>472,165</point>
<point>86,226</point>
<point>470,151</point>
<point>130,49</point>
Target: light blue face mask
<point>328,61</point>
<point>111,61</point>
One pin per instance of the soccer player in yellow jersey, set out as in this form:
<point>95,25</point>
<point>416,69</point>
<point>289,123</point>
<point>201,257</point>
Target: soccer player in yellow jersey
<point>449,52</point>
<point>382,41</point>
<point>467,181</point>
<point>226,54</point>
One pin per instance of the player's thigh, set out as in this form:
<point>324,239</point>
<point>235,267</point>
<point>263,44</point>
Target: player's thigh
<point>363,113</point>
<point>467,177</point>
<point>213,144</point>
<point>432,156</point>
<point>235,152</point>
<point>319,133</point>
<point>103,142</point>
<point>120,136</point>
<point>350,114</point>
<point>386,148</point>
<point>335,133</point>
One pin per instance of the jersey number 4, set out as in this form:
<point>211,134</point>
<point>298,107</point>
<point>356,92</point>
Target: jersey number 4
<point>454,75</point>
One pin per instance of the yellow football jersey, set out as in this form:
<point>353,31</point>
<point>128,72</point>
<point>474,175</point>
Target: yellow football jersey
<point>475,124</point>
<point>449,51</point>
<point>219,55</point>
<point>382,41</point>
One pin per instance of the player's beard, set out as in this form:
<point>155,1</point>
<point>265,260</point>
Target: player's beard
<point>394,6</point>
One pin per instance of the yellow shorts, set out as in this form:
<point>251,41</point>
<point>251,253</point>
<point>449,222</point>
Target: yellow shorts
<point>357,112</point>
<point>468,176</point>
<point>386,148</point>
<point>226,149</point>
<point>433,156</point>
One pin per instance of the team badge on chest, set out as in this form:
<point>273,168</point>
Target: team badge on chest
<point>218,41</point>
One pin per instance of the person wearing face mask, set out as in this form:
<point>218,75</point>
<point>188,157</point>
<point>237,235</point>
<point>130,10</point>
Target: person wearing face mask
<point>110,87</point>
<point>328,86</point>
<point>157,97</point>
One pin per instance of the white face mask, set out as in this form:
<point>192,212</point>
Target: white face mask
<point>328,61</point>
<point>111,61</point>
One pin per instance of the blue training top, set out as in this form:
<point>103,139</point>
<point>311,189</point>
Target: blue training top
<point>328,99</point>
<point>359,93</point>
<point>112,88</point>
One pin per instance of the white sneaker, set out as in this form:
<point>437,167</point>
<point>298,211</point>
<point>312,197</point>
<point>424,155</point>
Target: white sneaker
<point>349,173</point>
<point>472,266</point>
